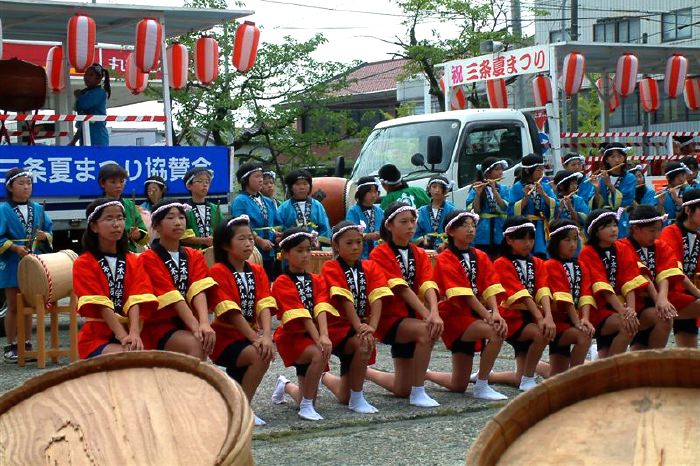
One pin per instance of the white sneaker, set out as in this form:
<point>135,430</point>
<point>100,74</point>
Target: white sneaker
<point>473,376</point>
<point>309,413</point>
<point>362,406</point>
<point>485,392</point>
<point>526,383</point>
<point>259,422</point>
<point>278,393</point>
<point>593,352</point>
<point>421,399</point>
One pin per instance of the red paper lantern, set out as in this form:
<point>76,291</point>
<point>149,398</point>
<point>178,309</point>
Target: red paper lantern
<point>613,99</point>
<point>81,42</point>
<point>149,38</point>
<point>626,74</point>
<point>496,93</point>
<point>691,93</point>
<point>458,100</point>
<point>55,72</point>
<point>542,90</point>
<point>136,81</point>
<point>206,60</point>
<point>178,58</point>
<point>573,70</point>
<point>649,94</point>
<point>245,46</point>
<point>676,70</point>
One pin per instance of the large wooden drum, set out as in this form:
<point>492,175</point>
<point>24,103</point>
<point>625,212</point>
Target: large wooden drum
<point>48,275</point>
<point>147,408</point>
<point>636,408</point>
<point>22,86</point>
<point>336,194</point>
<point>318,258</point>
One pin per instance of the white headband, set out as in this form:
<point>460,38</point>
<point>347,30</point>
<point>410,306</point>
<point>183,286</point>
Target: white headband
<point>660,218</point>
<point>250,172</point>
<point>601,216</point>
<point>360,228</point>
<point>102,206</point>
<point>638,168</point>
<point>503,163</point>
<point>240,219</point>
<point>690,202</point>
<point>564,228</point>
<point>369,183</point>
<point>390,183</point>
<point>538,164</point>
<point>198,172</point>
<point>145,183</point>
<point>577,157</point>
<point>402,209</point>
<point>312,236</point>
<point>17,175</point>
<point>271,174</point>
<point>447,184</point>
<point>573,175</point>
<point>474,216</point>
<point>624,150</point>
<point>510,230</point>
<point>683,167</point>
<point>179,205</point>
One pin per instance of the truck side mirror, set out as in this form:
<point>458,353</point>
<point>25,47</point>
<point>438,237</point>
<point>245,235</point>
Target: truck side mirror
<point>434,150</point>
<point>418,160</point>
<point>339,170</point>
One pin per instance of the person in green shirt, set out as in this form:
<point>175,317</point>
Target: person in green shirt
<point>398,190</point>
<point>112,178</point>
<point>204,216</point>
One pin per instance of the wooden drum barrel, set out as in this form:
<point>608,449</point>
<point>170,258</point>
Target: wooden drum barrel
<point>147,407</point>
<point>336,194</point>
<point>22,86</point>
<point>635,408</point>
<point>255,258</point>
<point>48,275</point>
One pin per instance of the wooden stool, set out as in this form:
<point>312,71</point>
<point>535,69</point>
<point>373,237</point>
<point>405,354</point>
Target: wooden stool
<point>54,351</point>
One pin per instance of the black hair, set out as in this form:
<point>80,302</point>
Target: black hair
<point>90,240</point>
<point>639,189</point>
<point>643,212</point>
<point>339,225</point>
<point>673,166</point>
<point>295,176</point>
<point>688,195</point>
<point>156,219</point>
<point>564,186</point>
<point>9,174</point>
<point>690,162</point>
<point>384,232</point>
<point>553,244</point>
<point>294,242</point>
<point>223,233</point>
<point>608,149</point>
<point>593,235</point>
<point>522,233</point>
<point>194,172</point>
<point>157,180</point>
<point>104,75</point>
<point>363,190</point>
<point>445,188</point>
<point>391,173</point>
<point>111,170</point>
<point>481,170</point>
<point>452,215</point>
<point>245,168</point>
<point>526,173</point>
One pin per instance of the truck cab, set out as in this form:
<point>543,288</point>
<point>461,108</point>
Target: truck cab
<point>451,144</point>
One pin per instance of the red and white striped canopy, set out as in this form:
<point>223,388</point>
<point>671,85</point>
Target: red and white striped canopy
<point>178,61</point>
<point>573,71</point>
<point>649,94</point>
<point>55,72</point>
<point>676,70</point>
<point>626,74</point>
<point>136,81</point>
<point>497,93</point>
<point>206,60</point>
<point>691,93</point>
<point>149,38</point>
<point>458,99</point>
<point>542,90</point>
<point>245,46</point>
<point>81,42</point>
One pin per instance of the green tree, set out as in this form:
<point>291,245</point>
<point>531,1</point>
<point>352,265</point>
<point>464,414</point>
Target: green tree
<point>261,107</point>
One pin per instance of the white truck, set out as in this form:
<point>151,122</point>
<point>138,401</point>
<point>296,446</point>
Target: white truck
<point>451,144</point>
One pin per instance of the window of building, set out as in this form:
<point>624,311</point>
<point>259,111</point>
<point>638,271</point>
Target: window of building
<point>556,36</point>
<point>617,30</point>
<point>139,141</point>
<point>677,25</point>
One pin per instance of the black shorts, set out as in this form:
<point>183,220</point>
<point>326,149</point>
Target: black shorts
<point>555,348</point>
<point>463,347</point>
<point>519,347</point>
<point>603,341</point>
<point>689,326</point>
<point>398,350</point>
<point>102,347</point>
<point>229,357</point>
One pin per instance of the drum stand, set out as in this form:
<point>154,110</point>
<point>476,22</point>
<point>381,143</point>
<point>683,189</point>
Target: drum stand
<point>41,309</point>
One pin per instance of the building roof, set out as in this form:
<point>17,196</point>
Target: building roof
<point>370,78</point>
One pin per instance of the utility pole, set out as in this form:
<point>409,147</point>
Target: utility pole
<point>574,38</point>
<point>562,38</point>
<point>518,34</point>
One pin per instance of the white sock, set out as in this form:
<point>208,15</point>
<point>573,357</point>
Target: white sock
<point>259,422</point>
<point>358,403</point>
<point>307,411</point>
<point>420,398</point>
<point>481,383</point>
<point>527,383</point>
<point>482,391</point>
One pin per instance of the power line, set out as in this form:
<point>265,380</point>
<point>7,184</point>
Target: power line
<point>341,10</point>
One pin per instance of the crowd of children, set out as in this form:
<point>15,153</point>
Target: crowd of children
<point>554,263</point>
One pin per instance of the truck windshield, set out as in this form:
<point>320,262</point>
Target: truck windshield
<point>397,144</point>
